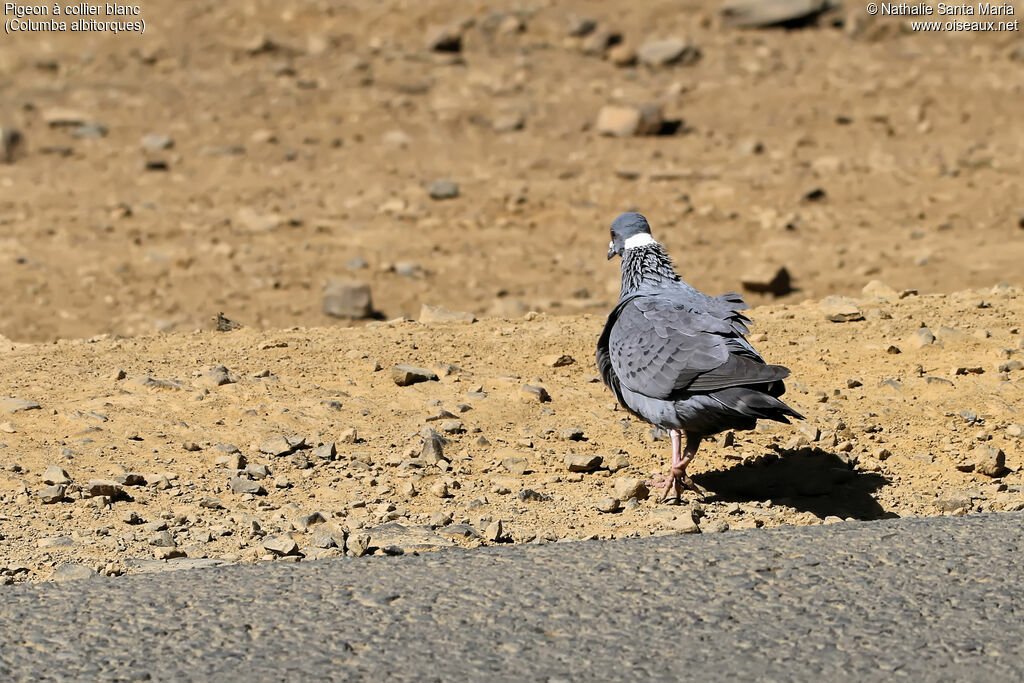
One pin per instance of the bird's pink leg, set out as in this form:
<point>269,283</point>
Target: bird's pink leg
<point>677,479</point>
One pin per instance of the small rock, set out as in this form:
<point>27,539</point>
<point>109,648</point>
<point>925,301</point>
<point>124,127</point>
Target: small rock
<point>583,463</point>
<point>155,142</point>
<point>630,487</point>
<point>443,189</point>
<point>52,494</point>
<point>306,522</point>
<point>347,299</point>
<point>55,474</point>
<point>281,546</point>
<point>920,338</point>
<point>72,572</point>
<point>608,505</point>
<point>768,280</point>
<point>766,13</point>
<point>572,434</point>
<point>515,465</point>
<point>879,290</point>
<point>231,461</point>
<point>614,463</point>
<point>628,121</point>
<point>405,375</point>
<point>103,487</point>
<point>216,377</point>
<point>162,539</point>
<point>507,123</point>
<point>1015,430</point>
<point>840,309</point>
<point>622,55</point>
<point>132,517</point>
<point>444,39</point>
<point>494,532</point>
<point>436,314</point>
<point>242,485</point>
<point>530,393</point>
<point>11,142</point>
<point>211,503</point>
<point>950,335</point>
<point>558,360</point>
<point>327,451</point>
<point>439,489</point>
<point>670,51</point>
<point>531,495</point>
<point>581,26</point>
<point>282,445</point>
<point>989,461</point>
<point>16,405</point>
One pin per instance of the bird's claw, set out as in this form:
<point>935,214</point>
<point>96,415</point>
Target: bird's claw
<point>674,483</point>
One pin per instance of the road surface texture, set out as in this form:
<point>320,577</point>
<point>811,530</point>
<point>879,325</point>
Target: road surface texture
<point>918,599</point>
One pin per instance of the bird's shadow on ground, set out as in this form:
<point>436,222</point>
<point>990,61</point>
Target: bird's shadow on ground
<point>807,479</point>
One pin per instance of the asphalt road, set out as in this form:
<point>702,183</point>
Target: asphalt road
<point>922,600</point>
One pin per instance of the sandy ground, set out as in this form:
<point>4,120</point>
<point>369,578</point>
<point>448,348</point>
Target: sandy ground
<point>932,429</point>
<point>240,155</point>
<point>305,138</point>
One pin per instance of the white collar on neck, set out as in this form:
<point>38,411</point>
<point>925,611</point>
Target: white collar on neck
<point>639,240</point>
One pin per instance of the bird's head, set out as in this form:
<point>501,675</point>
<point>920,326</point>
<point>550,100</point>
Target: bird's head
<point>628,231</point>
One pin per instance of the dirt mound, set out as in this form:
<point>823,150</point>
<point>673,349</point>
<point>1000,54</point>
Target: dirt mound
<point>248,445</point>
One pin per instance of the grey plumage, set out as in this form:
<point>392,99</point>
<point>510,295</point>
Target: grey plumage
<point>679,358</point>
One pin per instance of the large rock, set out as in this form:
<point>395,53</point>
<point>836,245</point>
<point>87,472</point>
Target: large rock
<point>625,121</point>
<point>347,299</point>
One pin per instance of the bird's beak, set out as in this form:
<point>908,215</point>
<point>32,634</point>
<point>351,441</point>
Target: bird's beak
<point>611,250</point>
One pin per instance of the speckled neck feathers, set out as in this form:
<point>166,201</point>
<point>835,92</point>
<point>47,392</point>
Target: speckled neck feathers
<point>647,266</point>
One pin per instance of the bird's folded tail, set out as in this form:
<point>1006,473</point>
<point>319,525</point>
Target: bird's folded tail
<point>751,402</point>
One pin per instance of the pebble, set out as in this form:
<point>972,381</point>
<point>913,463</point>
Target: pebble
<point>627,121</point>
<point>766,13</point>
<point>327,451</point>
<point>282,445</point>
<point>572,434</point>
<point>155,142</point>
<point>443,189</point>
<point>622,55</point>
<point>608,505</point>
<point>581,26</point>
<point>405,375</point>
<point>840,309</point>
<point>494,532</point>
<point>347,299</point>
<point>583,463</point>
<point>515,465</point>
<point>531,393</point>
<point>163,539</point>
<point>669,51</point>
<point>217,376</point>
<point>242,485</point>
<point>444,39</point>
<point>989,460</point>
<point>558,360</point>
<point>920,338</point>
<point>51,494</point>
<point>104,488</point>
<point>10,404</point>
<point>11,143</point>
<point>630,487</point>
<point>55,474</point>
<point>281,546</point>
<point>508,123</point>
<point>72,572</point>
<point>439,489</point>
<point>879,290</point>
<point>768,280</point>
<point>531,495</point>
<point>616,462</point>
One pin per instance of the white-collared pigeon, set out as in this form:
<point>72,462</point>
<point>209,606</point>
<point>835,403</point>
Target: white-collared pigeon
<point>678,358</point>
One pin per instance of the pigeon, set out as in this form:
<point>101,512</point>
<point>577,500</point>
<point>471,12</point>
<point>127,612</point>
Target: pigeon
<point>678,358</point>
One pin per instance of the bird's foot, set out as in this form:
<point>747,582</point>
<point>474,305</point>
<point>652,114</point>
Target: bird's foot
<point>674,483</point>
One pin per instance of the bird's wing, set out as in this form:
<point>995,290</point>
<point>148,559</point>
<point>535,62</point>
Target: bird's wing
<point>659,346</point>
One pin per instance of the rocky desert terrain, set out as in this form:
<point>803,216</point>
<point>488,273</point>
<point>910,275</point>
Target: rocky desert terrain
<point>325,175</point>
